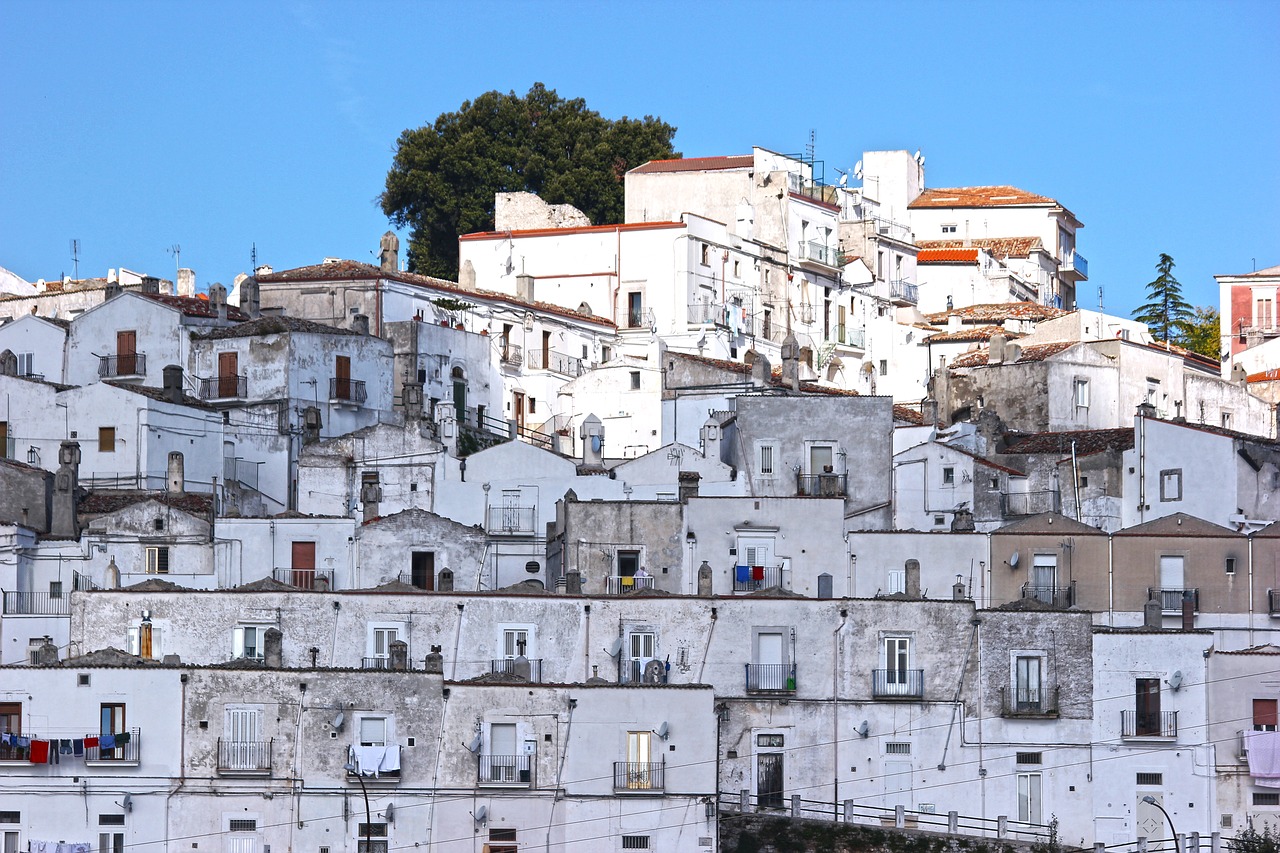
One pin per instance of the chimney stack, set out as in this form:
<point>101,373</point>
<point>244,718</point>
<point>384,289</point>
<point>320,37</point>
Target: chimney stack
<point>1188,611</point>
<point>398,651</point>
<point>218,300</point>
<point>47,654</point>
<point>175,482</point>
<point>360,324</point>
<point>273,648</point>
<point>389,255</point>
<point>791,362</point>
<point>688,481</point>
<point>710,434</point>
<point>434,663</point>
<point>995,349</point>
<point>150,284</point>
<point>913,578</point>
<point>761,371</point>
<point>251,298</point>
<point>370,496</point>
<point>1152,614</point>
<point>66,482</point>
<point>112,291</point>
<point>186,282</point>
<point>592,434</point>
<point>173,383</point>
<point>524,287</point>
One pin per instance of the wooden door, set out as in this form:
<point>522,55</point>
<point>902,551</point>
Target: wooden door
<point>126,353</point>
<point>518,404</point>
<point>228,374</point>
<point>303,564</point>
<point>342,378</point>
<point>422,569</point>
<point>1147,693</point>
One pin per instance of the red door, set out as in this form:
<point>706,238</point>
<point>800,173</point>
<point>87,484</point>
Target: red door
<point>228,374</point>
<point>342,378</point>
<point>126,353</point>
<point>304,565</point>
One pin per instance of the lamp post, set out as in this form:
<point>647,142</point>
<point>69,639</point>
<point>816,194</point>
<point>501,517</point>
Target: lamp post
<point>1151,801</point>
<point>368,813</point>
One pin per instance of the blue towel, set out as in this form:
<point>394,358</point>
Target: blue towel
<point>744,574</point>
<point>107,742</point>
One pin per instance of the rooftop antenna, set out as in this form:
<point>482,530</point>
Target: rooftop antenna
<point>1099,299</point>
<point>812,145</point>
<point>75,258</point>
<point>253,258</point>
<point>176,251</point>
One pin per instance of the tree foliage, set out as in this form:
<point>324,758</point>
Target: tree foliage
<point>1203,333</point>
<point>444,175</point>
<point>1165,312</point>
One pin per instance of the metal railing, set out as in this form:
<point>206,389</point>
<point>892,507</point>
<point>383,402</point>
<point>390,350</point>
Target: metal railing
<point>642,776</point>
<point>1137,724</point>
<point>1171,599</point>
<point>224,388</point>
<point>623,584</point>
<point>1029,503</point>
<point>510,770</point>
<point>423,581</point>
<point>36,604</point>
<point>1077,263</point>
<point>117,366</point>
<point>850,337</point>
<point>347,390</point>
<point>129,752</point>
<point>904,291</point>
<point>241,471</point>
<point>512,519</point>
<point>771,677</point>
<point>828,485</point>
<point>511,353</point>
<point>512,666</point>
<point>632,672</point>
<point>757,577</point>
<point>804,314</point>
<point>557,362</point>
<point>897,683</point>
<point>812,250</point>
<point>310,579</point>
<point>1029,702</point>
<point>1055,596</point>
<point>82,583</point>
<point>375,663</point>
<point>707,314</point>
<point>245,756</point>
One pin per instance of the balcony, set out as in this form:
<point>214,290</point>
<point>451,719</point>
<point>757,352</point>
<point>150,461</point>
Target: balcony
<point>813,252</point>
<point>1171,599</point>
<point>224,388</point>
<point>127,366</point>
<point>557,362</point>
<point>514,668</point>
<point>511,354</point>
<point>244,756</point>
<point>512,520</point>
<point>422,580</point>
<point>123,749</point>
<point>903,292</point>
<point>36,604</point>
<point>828,485</point>
<point>640,318</point>
<point>82,583</point>
<point>1149,724</point>
<point>375,763</point>
<point>753,578</point>
<point>375,662</point>
<point>897,683</point>
<point>345,390</point>
<point>1029,503</point>
<point>1029,702</point>
<point>1074,264</point>
<point>623,584</point>
<point>1054,596</point>
<point>308,579</point>
<point>632,672</point>
<point>639,777</point>
<point>508,771</point>
<point>771,677</point>
<point>850,337</point>
<point>707,314</point>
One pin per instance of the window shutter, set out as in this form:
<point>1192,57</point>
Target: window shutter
<point>1264,712</point>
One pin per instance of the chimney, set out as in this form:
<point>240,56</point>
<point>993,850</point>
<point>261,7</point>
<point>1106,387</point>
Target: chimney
<point>444,581</point>
<point>251,298</point>
<point>791,362</point>
<point>1152,614</point>
<point>112,291</point>
<point>913,578</point>
<point>389,252</point>
<point>761,370</point>
<point>47,654</point>
<point>524,287</point>
<point>398,651</point>
<point>704,579</point>
<point>954,322</point>
<point>310,425</point>
<point>592,434</point>
<point>710,434</point>
<point>173,383</point>
<point>957,591</point>
<point>1146,410</point>
<point>521,668</point>
<point>1188,611</point>
<point>995,349</point>
<point>929,411</point>
<point>688,485</point>
<point>273,648</point>
<point>434,663</point>
<point>218,300</point>
<point>186,282</point>
<point>66,482</point>
<point>1239,374</point>
<point>150,284</point>
<point>962,521</point>
<point>370,496</point>
<point>1012,352</point>
<point>411,398</point>
<point>360,324</point>
<point>467,276</point>
<point>175,481</point>
<point>573,583</point>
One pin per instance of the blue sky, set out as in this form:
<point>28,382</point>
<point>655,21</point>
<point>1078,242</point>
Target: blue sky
<point>134,126</point>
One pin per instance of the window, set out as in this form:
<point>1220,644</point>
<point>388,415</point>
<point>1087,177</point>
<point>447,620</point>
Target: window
<point>948,476</point>
<point>1171,484</point>
<point>639,773</point>
<point>1029,758</point>
<point>380,640</point>
<point>1260,799</point>
<point>1231,565</point>
<point>1153,391</point>
<point>11,722</point>
<point>642,648</point>
<point>635,309</point>
<point>1226,420</point>
<point>372,837</point>
<point>242,825</point>
<point>897,581</point>
<point>133,641</point>
<point>241,748</point>
<point>55,589</point>
<point>1264,715</point>
<point>899,748</point>
<point>158,560</point>
<point>24,363</point>
<point>1081,391</point>
<point>1027,688</point>
<point>111,721</point>
<point>705,257</point>
<point>628,563</point>
<point>1264,316</point>
<point>766,460</point>
<point>110,842</point>
<point>10,817</point>
<point>635,842</point>
<point>372,731</point>
<point>342,384</point>
<point>635,380</point>
<point>884,367</point>
<point>1150,778</point>
<point>247,641</point>
<point>774,741</point>
<point>1147,707</point>
<point>502,840</point>
<point>106,439</point>
<point>948,229</point>
<point>1029,805</point>
<point>606,353</point>
<point>500,755</point>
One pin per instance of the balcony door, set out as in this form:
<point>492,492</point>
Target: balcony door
<point>303,564</point>
<point>517,405</point>
<point>1147,706</point>
<point>1027,690</point>
<point>112,722</point>
<point>126,353</point>
<point>502,752</point>
<point>639,756</point>
<point>1044,577</point>
<point>243,738</point>
<point>769,779</point>
<point>515,643</point>
<point>228,374</point>
<point>342,378</point>
<point>642,647</point>
<point>422,569</point>
<point>771,656</point>
<point>1172,582</point>
<point>897,664</point>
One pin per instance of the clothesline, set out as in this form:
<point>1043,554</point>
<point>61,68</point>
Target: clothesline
<point>34,846</point>
<point>50,751</point>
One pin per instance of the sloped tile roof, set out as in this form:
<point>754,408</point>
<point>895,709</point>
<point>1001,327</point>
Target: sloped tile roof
<point>971,333</point>
<point>1087,441</point>
<point>274,326</point>
<point>1267,273</point>
<point>998,312</point>
<point>192,306</point>
<point>1000,247</point>
<point>159,395</point>
<point>105,501</point>
<point>947,256</point>
<point>982,460</point>
<point>1035,352</point>
<point>996,196</point>
<point>1178,524</point>
<point>696,164</point>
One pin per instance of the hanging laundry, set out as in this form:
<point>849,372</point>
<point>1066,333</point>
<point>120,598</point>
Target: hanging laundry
<point>743,574</point>
<point>39,752</point>
<point>91,743</point>
<point>390,759</point>
<point>757,573</point>
<point>64,746</point>
<point>23,742</point>
<point>107,742</point>
<point>77,747</point>
<point>122,738</point>
<point>35,846</point>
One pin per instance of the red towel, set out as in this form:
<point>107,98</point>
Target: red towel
<point>757,573</point>
<point>39,752</point>
<point>91,743</point>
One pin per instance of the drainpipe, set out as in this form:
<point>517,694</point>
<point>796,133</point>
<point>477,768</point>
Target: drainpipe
<point>836,669</point>
<point>1251,590</point>
<point>1111,581</point>
<point>703,663</point>
<point>564,753</point>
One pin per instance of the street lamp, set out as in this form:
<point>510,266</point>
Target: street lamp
<point>1151,801</point>
<point>368,813</point>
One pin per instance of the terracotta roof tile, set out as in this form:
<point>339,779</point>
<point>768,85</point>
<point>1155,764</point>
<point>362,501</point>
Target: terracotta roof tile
<point>982,460</point>
<point>997,196</point>
<point>998,312</point>
<point>1087,442</point>
<point>970,333</point>
<point>696,164</point>
<point>273,326</point>
<point>160,396</point>
<point>947,256</point>
<point>191,306</point>
<point>105,501</point>
<point>1000,247</point>
<point>1035,352</point>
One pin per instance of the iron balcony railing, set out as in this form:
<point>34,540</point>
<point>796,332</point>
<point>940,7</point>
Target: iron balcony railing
<point>421,581</point>
<point>897,683</point>
<point>511,667</point>
<point>347,390</point>
<point>305,578</point>
<point>514,771</point>
<point>902,290</point>
<point>752,578</point>
<point>128,752</point>
<point>224,388</point>
<point>851,337</point>
<point>812,250</point>
<point>244,756</point>
<point>828,485</point>
<point>1055,596</point>
<point>639,776</point>
<point>82,583</point>
<point>375,662</point>
<point>632,672</point>
<point>512,354</point>
<point>1029,701</point>
<point>557,362</point>
<point>1136,724</point>
<point>771,677</point>
<point>512,519</point>
<point>1171,599</point>
<point>36,604</point>
<point>707,314</point>
<point>1029,503</point>
<point>119,366</point>
<point>622,584</point>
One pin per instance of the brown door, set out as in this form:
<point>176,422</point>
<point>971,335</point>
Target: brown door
<point>11,723</point>
<point>422,569</point>
<point>126,353</point>
<point>4,439</point>
<point>1148,707</point>
<point>228,374</point>
<point>304,565</point>
<point>518,404</point>
<point>342,378</point>
<point>546,350</point>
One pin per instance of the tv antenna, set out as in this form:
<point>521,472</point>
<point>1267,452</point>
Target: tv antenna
<point>811,146</point>
<point>75,258</point>
<point>176,251</point>
<point>1099,299</point>
<point>253,258</point>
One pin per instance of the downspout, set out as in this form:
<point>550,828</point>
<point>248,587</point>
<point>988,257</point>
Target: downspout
<point>835,703</point>
<point>703,663</point>
<point>564,753</point>
<point>1075,480</point>
<point>435,784</point>
<point>1142,468</point>
<point>955,701</point>
<point>586,644</point>
<point>1251,590</point>
<point>457,634</point>
<point>1111,581</point>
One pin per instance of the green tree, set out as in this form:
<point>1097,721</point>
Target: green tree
<point>444,175</point>
<point>1203,333</point>
<point>1166,313</point>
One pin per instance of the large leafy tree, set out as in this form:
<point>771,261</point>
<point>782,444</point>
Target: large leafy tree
<point>444,175</point>
<point>1203,333</point>
<point>1165,312</point>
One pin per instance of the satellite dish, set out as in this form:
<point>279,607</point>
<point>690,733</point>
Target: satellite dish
<point>127,802</point>
<point>663,730</point>
<point>857,170</point>
<point>1013,561</point>
<point>1175,680</point>
<point>615,647</point>
<point>482,814</point>
<point>474,746</point>
<point>844,179</point>
<point>864,728</point>
<point>339,720</point>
